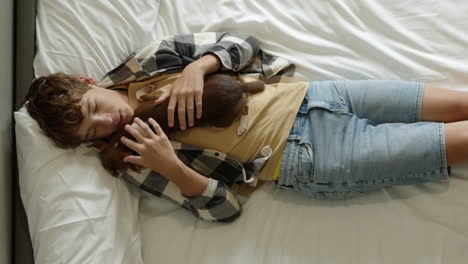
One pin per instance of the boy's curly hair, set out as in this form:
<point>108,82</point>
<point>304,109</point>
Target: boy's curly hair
<point>53,101</point>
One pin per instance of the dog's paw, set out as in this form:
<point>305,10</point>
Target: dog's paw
<point>134,167</point>
<point>242,125</point>
<point>115,172</point>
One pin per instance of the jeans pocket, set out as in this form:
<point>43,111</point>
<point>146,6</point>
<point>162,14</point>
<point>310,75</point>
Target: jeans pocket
<point>323,95</point>
<point>332,106</point>
<point>304,163</point>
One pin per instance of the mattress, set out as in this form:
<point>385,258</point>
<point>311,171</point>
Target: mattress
<point>408,40</point>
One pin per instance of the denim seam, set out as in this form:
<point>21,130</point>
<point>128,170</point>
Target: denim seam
<point>418,105</point>
<point>443,154</point>
<point>398,179</point>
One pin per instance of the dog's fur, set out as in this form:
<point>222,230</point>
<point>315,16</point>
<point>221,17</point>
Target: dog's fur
<point>224,99</point>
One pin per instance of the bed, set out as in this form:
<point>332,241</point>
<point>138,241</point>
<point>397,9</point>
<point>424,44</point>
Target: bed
<point>409,40</point>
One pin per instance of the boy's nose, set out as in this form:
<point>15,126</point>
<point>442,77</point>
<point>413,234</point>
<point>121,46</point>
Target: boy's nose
<point>104,119</point>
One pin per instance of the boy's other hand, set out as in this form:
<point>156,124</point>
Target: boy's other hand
<point>185,93</point>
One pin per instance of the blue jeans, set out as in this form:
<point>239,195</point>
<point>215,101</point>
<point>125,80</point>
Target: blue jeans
<point>353,137</point>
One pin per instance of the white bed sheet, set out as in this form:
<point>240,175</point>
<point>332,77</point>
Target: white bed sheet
<point>411,40</point>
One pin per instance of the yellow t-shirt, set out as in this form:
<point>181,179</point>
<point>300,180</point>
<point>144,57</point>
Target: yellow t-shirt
<point>277,170</point>
<point>271,115</point>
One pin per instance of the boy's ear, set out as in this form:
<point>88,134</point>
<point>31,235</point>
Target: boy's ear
<point>88,80</point>
<point>98,144</point>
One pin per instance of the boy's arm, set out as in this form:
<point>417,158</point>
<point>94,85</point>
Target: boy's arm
<point>216,203</point>
<point>199,54</point>
<point>234,51</point>
<point>166,175</point>
<point>190,183</point>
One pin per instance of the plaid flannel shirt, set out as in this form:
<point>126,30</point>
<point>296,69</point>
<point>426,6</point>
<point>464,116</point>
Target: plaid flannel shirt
<point>236,52</point>
<point>217,203</point>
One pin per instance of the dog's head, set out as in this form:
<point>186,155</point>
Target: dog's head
<point>224,98</point>
<point>112,156</point>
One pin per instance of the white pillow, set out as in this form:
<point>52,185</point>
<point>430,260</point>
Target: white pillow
<point>90,37</point>
<point>77,212</point>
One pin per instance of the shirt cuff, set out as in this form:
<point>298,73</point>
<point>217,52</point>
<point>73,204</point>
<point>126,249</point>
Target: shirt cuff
<point>201,200</point>
<point>223,56</point>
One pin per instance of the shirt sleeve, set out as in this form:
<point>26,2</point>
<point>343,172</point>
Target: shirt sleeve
<point>235,51</point>
<point>217,203</point>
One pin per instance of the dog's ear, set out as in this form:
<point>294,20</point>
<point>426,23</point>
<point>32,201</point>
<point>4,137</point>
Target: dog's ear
<point>245,110</point>
<point>149,97</point>
<point>253,87</point>
<point>98,144</point>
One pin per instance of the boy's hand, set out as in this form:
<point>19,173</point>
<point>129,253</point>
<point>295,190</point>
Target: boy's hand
<point>155,149</point>
<point>187,91</point>
<point>156,152</point>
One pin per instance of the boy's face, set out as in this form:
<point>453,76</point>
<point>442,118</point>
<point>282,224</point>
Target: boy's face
<point>104,111</point>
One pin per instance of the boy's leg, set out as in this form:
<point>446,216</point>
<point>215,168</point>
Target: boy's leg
<point>339,154</point>
<point>456,142</point>
<point>334,152</point>
<point>390,101</point>
<point>402,101</point>
<point>444,105</point>
<point>379,101</point>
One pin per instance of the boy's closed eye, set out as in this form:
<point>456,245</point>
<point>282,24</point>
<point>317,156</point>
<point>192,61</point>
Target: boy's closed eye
<point>91,132</point>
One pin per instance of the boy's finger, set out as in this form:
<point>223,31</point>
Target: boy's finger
<point>190,110</point>
<point>164,96</point>
<point>144,127</point>
<point>138,160</point>
<point>198,102</point>
<point>161,98</point>
<point>156,126</point>
<point>170,110</point>
<point>136,133</point>
<point>181,112</point>
<point>130,144</point>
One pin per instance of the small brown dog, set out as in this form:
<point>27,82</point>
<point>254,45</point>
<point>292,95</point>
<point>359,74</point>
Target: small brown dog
<point>224,99</point>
